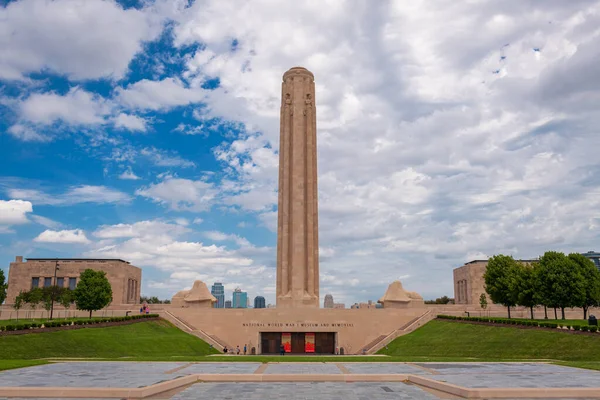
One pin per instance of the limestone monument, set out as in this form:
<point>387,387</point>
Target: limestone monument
<point>297,219</point>
<point>197,297</point>
<point>396,297</point>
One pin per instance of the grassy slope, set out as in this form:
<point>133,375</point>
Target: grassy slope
<point>442,339</point>
<point>154,339</point>
<point>12,364</point>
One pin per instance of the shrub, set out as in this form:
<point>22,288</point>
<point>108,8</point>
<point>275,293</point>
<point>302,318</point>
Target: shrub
<point>10,327</point>
<point>577,327</point>
<point>585,328</point>
<point>26,326</point>
<point>593,329</point>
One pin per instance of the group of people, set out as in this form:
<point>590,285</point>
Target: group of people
<point>145,309</point>
<point>237,350</point>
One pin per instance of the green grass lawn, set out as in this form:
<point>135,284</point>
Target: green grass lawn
<point>12,364</point>
<point>462,341</point>
<point>152,339</point>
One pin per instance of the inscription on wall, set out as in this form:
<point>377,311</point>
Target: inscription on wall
<point>296,325</point>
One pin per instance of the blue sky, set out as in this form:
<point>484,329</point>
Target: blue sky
<point>148,131</point>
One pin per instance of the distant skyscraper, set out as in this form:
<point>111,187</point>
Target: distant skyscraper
<point>219,292</point>
<point>328,303</point>
<point>240,299</point>
<point>227,303</point>
<point>259,302</point>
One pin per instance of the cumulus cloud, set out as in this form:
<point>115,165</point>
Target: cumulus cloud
<point>161,245</point>
<point>82,39</point>
<point>128,174</point>
<point>77,107</point>
<point>13,212</point>
<point>130,122</point>
<point>75,236</point>
<point>181,194</point>
<point>156,95</point>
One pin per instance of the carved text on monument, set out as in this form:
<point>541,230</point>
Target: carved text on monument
<point>297,325</point>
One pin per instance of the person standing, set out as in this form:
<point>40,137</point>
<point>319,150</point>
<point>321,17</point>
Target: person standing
<point>238,350</point>
<point>282,350</point>
<point>245,348</point>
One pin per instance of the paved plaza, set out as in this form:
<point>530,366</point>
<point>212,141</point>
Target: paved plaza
<point>140,375</point>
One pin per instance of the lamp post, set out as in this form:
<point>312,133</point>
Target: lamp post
<point>56,268</point>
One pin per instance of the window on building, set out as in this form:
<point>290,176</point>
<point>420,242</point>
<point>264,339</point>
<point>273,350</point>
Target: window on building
<point>47,282</point>
<point>60,282</point>
<point>72,283</point>
<point>35,282</point>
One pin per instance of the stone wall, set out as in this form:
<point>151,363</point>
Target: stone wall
<point>355,329</point>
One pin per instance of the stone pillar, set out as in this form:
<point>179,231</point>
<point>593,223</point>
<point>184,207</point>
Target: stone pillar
<point>297,220</point>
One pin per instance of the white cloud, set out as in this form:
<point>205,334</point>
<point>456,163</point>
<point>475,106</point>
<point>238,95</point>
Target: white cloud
<point>129,175</point>
<point>164,159</point>
<point>181,194</point>
<point>130,122</point>
<point>74,195</point>
<point>66,236</point>
<point>157,95</point>
<point>13,212</point>
<point>27,133</point>
<point>76,107</point>
<point>82,39</point>
<point>139,229</point>
<point>47,222</point>
<point>198,220</point>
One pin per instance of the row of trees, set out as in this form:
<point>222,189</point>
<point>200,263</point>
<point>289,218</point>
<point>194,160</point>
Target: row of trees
<point>93,292</point>
<point>556,281</point>
<point>153,300</point>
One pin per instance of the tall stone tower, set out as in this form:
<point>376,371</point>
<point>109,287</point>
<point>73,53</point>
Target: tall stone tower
<point>297,219</point>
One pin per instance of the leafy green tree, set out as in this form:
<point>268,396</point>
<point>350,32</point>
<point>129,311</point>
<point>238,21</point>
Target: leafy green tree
<point>591,277</point>
<point>526,287</point>
<point>3,287</point>
<point>18,303</point>
<point>93,292</point>
<point>561,282</point>
<point>34,297</point>
<point>483,301</point>
<point>499,279</point>
<point>65,300</point>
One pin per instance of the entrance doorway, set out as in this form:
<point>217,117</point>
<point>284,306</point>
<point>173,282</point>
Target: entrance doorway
<point>296,342</point>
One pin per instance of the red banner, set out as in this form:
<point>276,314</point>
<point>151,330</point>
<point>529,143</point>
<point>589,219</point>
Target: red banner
<point>309,342</point>
<point>286,341</point>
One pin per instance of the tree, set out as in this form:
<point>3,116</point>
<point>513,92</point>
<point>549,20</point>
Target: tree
<point>591,277</point>
<point>18,303</point>
<point>561,282</point>
<point>499,276</point>
<point>3,287</point>
<point>65,300</point>
<point>33,298</point>
<point>51,294</point>
<point>483,301</point>
<point>93,292</point>
<point>526,287</point>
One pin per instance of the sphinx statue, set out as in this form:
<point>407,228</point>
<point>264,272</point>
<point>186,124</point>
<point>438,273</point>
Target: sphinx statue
<point>396,297</point>
<point>197,297</point>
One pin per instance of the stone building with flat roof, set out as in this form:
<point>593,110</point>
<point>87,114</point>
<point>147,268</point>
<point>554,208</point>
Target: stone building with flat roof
<point>124,278</point>
<point>469,283</point>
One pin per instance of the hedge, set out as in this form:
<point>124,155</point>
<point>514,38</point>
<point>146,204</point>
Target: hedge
<point>506,321</point>
<point>56,324</point>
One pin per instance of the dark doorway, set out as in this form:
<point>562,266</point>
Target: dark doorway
<point>325,342</point>
<point>297,342</point>
<point>270,342</point>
